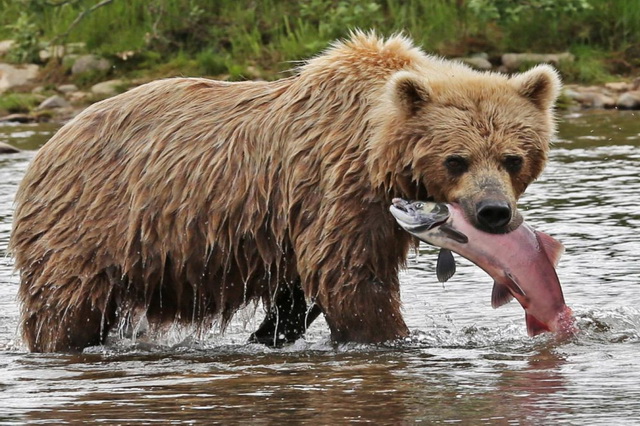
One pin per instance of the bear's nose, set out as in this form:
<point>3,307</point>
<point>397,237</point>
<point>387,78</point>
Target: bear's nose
<point>493,214</point>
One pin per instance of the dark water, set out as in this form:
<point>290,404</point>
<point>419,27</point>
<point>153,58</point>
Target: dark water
<point>465,364</point>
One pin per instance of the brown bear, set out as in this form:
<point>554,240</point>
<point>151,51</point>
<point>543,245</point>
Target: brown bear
<point>185,199</point>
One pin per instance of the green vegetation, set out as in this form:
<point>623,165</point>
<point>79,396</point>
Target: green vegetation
<point>240,39</point>
<point>17,103</point>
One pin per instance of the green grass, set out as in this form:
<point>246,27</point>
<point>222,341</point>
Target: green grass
<point>17,103</point>
<point>235,38</point>
<point>589,66</point>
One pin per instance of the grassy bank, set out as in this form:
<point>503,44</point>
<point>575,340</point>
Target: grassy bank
<point>251,39</point>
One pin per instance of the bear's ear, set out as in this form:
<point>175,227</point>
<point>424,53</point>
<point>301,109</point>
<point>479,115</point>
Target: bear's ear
<point>541,85</point>
<point>408,92</point>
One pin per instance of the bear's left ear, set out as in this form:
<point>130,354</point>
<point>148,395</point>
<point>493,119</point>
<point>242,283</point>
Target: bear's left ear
<point>541,85</point>
<point>409,92</point>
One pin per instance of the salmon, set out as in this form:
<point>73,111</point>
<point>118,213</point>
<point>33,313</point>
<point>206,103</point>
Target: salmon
<point>521,262</point>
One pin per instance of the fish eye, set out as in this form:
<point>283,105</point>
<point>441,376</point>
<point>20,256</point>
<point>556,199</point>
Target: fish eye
<point>513,163</point>
<point>418,205</point>
<point>456,164</point>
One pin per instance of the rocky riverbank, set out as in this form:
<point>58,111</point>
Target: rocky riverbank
<point>42,101</point>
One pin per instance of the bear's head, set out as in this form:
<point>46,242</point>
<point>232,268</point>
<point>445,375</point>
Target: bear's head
<point>478,139</point>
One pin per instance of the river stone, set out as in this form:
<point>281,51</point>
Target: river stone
<point>86,63</point>
<point>17,118</point>
<point>569,92</point>
<point>476,62</point>
<point>5,148</point>
<point>618,86</point>
<point>67,88</point>
<point>77,96</point>
<point>602,100</point>
<point>629,100</point>
<point>513,61</point>
<point>53,102</point>
<point>17,75</point>
<point>107,88</point>
<point>5,46</point>
<point>49,52</point>
<point>590,98</point>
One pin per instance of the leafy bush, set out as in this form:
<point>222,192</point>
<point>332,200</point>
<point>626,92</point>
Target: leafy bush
<point>18,103</point>
<point>25,35</point>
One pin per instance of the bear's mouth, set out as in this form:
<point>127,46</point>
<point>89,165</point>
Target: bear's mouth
<point>417,190</point>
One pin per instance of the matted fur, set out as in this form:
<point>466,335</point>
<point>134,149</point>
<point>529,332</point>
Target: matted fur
<point>187,198</point>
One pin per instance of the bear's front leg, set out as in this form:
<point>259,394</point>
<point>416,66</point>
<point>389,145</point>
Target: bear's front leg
<point>288,317</point>
<point>364,311</point>
<point>355,280</point>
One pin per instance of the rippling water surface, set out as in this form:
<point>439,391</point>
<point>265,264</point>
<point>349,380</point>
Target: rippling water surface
<point>465,363</point>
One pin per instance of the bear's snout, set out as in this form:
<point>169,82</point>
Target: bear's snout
<point>493,215</point>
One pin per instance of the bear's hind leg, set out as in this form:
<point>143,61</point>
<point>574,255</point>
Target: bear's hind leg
<point>67,318</point>
<point>288,318</point>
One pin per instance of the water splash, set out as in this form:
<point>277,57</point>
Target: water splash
<point>617,325</point>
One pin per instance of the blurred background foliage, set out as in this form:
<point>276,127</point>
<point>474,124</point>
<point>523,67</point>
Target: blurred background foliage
<point>263,39</point>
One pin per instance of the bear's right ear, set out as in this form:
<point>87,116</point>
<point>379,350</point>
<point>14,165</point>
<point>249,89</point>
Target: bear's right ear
<point>408,92</point>
<point>541,85</point>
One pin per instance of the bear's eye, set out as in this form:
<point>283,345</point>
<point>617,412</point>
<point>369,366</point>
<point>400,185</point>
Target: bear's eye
<point>513,163</point>
<point>456,164</point>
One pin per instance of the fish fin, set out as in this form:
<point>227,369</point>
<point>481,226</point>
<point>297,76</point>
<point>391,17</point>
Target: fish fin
<point>446,266</point>
<point>552,247</point>
<point>454,234</point>
<point>500,295</point>
<point>534,326</point>
<point>515,286</point>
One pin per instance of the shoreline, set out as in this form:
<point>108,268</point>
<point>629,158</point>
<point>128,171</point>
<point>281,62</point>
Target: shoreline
<point>66,101</point>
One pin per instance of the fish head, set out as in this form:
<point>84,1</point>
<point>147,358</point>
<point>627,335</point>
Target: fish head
<point>429,221</point>
<point>419,216</point>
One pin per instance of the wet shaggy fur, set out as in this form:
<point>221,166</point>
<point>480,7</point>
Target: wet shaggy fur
<point>185,199</point>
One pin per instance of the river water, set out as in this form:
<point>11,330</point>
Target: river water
<point>465,363</point>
